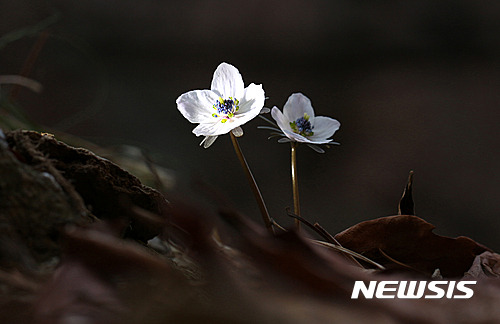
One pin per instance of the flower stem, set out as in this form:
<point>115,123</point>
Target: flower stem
<point>295,185</point>
<point>253,185</point>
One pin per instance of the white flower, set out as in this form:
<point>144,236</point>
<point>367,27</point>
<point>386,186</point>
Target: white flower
<point>223,108</point>
<point>299,124</point>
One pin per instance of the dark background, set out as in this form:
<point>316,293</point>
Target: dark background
<point>414,84</point>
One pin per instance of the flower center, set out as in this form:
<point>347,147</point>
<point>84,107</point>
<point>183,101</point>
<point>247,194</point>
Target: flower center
<point>302,126</point>
<point>226,108</point>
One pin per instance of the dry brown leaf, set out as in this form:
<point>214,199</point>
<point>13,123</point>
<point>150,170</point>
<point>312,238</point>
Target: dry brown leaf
<point>485,265</point>
<point>410,240</point>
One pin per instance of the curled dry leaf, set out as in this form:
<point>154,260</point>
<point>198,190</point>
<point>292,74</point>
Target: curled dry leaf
<point>486,265</point>
<point>409,240</point>
<point>406,205</point>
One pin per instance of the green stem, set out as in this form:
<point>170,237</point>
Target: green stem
<point>295,185</point>
<point>253,185</point>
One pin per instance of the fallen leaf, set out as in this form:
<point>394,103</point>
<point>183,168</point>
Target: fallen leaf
<point>409,240</point>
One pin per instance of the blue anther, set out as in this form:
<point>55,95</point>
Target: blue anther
<point>225,107</point>
<point>303,126</point>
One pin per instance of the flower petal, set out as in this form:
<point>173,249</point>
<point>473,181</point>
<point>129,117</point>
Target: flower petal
<point>280,119</point>
<point>324,128</point>
<point>214,128</point>
<point>302,139</point>
<point>240,119</point>
<point>296,106</point>
<point>295,137</point>
<point>219,128</point>
<point>253,98</point>
<point>197,105</point>
<point>228,82</point>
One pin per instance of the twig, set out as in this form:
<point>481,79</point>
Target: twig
<point>354,254</point>
<point>332,240</point>
<point>278,226</point>
<point>323,233</point>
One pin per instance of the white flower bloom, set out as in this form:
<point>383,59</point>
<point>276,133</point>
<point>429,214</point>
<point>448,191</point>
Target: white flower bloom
<point>299,124</point>
<point>223,108</point>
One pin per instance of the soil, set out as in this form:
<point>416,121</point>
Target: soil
<point>46,185</point>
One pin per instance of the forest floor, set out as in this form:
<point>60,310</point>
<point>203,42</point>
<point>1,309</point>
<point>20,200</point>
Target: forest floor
<point>84,241</point>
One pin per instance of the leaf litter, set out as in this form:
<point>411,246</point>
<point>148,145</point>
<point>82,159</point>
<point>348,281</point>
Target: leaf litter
<point>90,243</point>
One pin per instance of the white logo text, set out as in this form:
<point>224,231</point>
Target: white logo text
<point>413,289</point>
